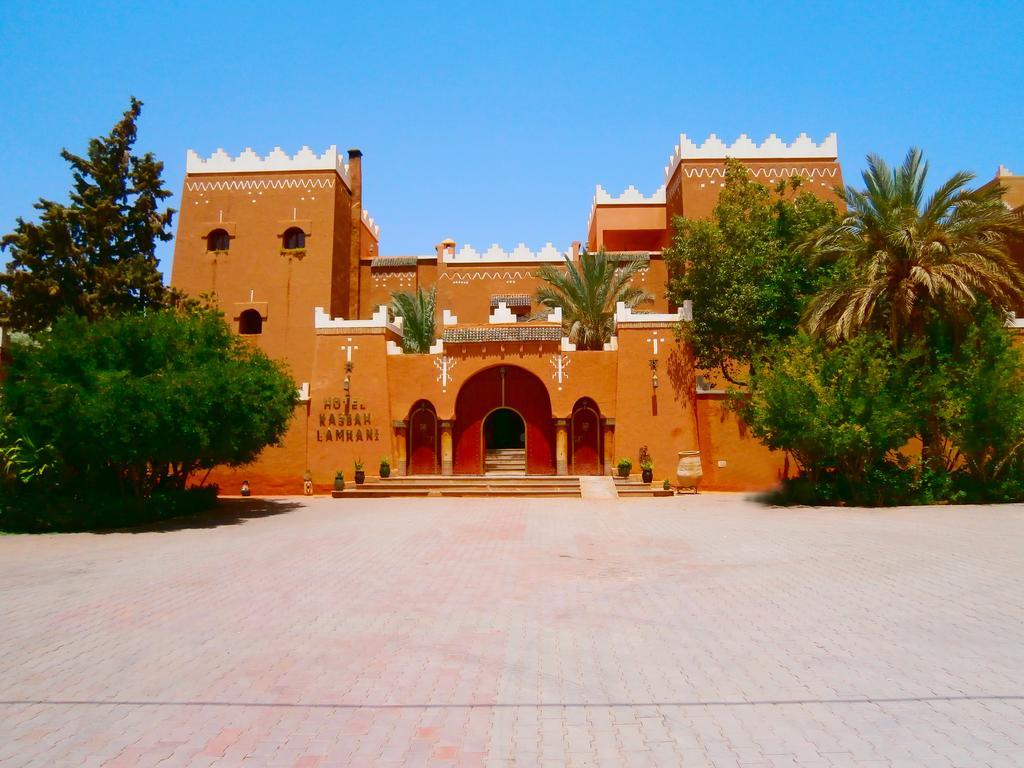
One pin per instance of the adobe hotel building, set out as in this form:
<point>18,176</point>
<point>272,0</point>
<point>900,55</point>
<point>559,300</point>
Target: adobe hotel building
<point>294,260</point>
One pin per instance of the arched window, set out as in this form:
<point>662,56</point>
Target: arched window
<point>294,238</point>
<point>250,322</point>
<point>218,240</point>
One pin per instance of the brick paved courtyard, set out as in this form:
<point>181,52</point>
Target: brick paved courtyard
<point>684,631</point>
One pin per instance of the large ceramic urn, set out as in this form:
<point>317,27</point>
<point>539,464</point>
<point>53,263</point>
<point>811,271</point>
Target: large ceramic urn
<point>689,471</point>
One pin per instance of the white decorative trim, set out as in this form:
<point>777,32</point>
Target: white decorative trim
<point>773,148</point>
<point>304,392</point>
<point>465,278</point>
<point>768,173</point>
<point>612,344</point>
<point>501,314</point>
<point>555,316</point>
<point>631,196</point>
<point>371,224</point>
<point>322,319</point>
<point>566,346</point>
<point>250,162</point>
<point>467,254</point>
<point>393,348</point>
<point>447,318</point>
<point>437,348</point>
<point>1012,321</point>
<point>624,314</point>
<point>256,185</point>
<point>1003,171</point>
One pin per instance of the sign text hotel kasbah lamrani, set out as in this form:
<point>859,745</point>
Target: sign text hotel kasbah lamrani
<point>286,245</point>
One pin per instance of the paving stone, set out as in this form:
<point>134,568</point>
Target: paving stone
<point>703,630</point>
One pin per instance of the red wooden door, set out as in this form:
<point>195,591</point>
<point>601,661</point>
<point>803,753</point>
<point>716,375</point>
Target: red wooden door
<point>586,442</point>
<point>423,441</point>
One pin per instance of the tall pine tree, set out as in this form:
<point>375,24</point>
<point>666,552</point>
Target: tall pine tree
<point>94,257</point>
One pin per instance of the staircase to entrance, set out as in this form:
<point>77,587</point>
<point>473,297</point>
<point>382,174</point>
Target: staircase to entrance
<point>505,461</point>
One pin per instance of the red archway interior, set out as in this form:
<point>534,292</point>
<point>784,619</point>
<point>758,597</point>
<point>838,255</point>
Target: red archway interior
<point>504,386</point>
<point>423,439</point>
<point>585,438</point>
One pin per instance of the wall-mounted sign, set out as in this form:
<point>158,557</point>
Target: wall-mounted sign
<point>346,420</point>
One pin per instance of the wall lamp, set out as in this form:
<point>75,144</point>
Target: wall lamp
<point>654,373</point>
<point>347,384</point>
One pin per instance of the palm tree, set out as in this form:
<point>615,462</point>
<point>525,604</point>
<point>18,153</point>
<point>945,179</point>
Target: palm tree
<point>588,294</point>
<point>910,256</point>
<point>417,313</point>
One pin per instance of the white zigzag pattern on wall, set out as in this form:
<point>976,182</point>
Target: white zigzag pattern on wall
<point>256,184</point>
<point>486,276</point>
<point>771,173</point>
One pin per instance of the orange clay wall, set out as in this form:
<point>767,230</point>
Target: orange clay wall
<point>693,189</point>
<point>256,209</point>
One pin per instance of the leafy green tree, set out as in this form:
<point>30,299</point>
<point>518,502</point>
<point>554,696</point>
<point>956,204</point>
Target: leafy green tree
<point>139,402</point>
<point>843,408</point>
<point>588,293</point>
<point>417,313</point>
<point>981,385</point>
<point>743,270</point>
<point>912,257</point>
<point>95,256</point>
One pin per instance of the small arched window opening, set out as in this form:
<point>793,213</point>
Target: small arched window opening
<point>294,238</point>
<point>250,322</point>
<point>218,240</point>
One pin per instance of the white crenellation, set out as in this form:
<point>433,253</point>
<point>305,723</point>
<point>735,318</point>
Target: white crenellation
<point>772,148</point>
<point>371,224</point>
<point>467,254</point>
<point>501,314</point>
<point>631,196</point>
<point>624,314</point>
<point>379,319</point>
<point>447,318</point>
<point>278,160</point>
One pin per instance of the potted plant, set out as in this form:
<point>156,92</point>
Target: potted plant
<point>625,467</point>
<point>666,485</point>
<point>646,465</point>
<point>385,467</point>
<point>339,481</point>
<point>360,475</point>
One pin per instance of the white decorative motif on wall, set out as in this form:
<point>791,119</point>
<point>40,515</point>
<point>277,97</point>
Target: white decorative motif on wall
<point>250,185</point>
<point>769,173</point>
<point>561,364</point>
<point>444,365</point>
<point>773,148</point>
<point>278,160</point>
<point>465,278</point>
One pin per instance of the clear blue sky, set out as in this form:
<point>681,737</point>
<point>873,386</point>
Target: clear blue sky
<point>492,122</point>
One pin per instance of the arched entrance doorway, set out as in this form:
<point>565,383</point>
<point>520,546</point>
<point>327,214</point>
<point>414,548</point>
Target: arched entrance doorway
<point>585,438</point>
<point>423,439</point>
<point>504,408</point>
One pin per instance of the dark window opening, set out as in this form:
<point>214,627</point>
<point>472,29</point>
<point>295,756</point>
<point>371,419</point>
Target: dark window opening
<point>250,322</point>
<point>218,240</point>
<point>294,238</point>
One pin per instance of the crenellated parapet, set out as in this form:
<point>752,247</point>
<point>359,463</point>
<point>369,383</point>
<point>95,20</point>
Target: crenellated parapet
<point>278,160</point>
<point>772,148</point>
<point>631,196</point>
<point>467,254</point>
<point>371,224</point>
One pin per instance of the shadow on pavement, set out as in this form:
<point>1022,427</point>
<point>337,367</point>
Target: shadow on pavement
<point>227,512</point>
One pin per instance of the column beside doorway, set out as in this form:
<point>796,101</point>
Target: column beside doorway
<point>401,460</point>
<point>562,446</point>
<point>447,467</point>
<point>609,446</point>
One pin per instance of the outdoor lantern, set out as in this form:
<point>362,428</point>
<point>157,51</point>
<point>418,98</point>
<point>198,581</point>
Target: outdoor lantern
<point>654,373</point>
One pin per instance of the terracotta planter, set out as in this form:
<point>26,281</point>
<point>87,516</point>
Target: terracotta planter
<point>360,477</point>
<point>689,470</point>
<point>339,482</point>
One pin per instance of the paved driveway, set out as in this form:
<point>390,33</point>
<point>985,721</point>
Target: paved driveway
<point>699,631</point>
